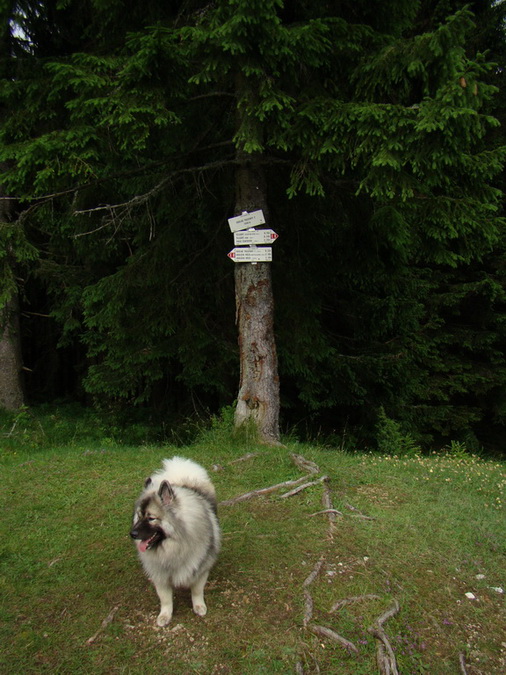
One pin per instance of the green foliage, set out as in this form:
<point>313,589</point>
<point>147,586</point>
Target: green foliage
<point>390,438</point>
<point>379,137</point>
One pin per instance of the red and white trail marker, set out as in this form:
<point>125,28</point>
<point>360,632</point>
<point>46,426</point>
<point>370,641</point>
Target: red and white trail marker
<point>251,254</point>
<point>248,237</point>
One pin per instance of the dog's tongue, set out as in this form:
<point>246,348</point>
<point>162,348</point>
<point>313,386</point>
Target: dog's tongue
<point>143,545</point>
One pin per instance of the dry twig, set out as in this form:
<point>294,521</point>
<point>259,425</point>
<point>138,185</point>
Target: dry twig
<point>386,661</point>
<point>103,625</point>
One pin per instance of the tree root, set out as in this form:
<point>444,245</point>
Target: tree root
<point>261,491</point>
<point>308,608</point>
<point>332,635</point>
<point>304,464</point>
<point>462,663</point>
<point>296,490</point>
<point>326,511</point>
<point>349,601</point>
<point>249,455</point>
<point>308,598</point>
<point>385,656</point>
<point>357,513</point>
<point>314,573</point>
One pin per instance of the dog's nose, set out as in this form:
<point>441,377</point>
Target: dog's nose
<point>134,534</point>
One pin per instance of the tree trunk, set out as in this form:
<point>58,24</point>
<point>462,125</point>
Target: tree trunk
<point>258,398</point>
<point>11,391</point>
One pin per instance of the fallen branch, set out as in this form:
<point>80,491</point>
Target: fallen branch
<point>103,625</point>
<point>261,491</point>
<point>386,661</point>
<point>332,635</point>
<point>462,663</point>
<point>296,490</point>
<point>349,601</point>
<point>304,464</point>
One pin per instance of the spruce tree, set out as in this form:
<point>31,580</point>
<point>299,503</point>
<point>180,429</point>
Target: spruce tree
<point>380,118</point>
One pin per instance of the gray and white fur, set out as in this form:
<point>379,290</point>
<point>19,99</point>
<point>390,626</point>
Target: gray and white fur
<point>176,531</point>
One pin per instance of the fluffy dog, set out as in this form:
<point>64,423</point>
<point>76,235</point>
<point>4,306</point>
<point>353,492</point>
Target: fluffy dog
<point>176,530</point>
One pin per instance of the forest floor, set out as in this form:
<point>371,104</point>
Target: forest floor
<point>404,556</point>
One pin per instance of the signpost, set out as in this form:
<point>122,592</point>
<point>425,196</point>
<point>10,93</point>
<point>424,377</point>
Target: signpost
<point>248,237</point>
<point>246,220</point>
<point>252,254</point>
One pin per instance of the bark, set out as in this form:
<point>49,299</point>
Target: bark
<point>11,391</point>
<point>258,399</point>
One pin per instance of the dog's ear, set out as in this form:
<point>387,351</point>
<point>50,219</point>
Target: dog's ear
<point>166,493</point>
<point>147,482</point>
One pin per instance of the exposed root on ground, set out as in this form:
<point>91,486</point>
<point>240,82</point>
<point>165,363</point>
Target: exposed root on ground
<point>385,656</point>
<point>261,491</point>
<point>332,635</point>
<point>304,464</point>
<point>296,490</point>
<point>462,664</point>
<point>357,513</point>
<point>350,601</point>
<point>326,511</point>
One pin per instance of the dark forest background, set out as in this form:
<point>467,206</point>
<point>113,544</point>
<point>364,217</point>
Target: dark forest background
<point>381,130</point>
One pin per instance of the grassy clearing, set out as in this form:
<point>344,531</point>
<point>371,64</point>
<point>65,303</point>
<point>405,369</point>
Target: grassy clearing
<point>438,533</point>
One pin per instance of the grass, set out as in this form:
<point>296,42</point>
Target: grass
<point>438,533</point>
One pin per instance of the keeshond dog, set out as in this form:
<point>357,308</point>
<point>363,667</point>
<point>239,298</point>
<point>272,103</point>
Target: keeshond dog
<point>176,530</point>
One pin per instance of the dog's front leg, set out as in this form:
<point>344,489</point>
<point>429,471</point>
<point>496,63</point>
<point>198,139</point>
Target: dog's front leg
<point>164,590</point>
<point>197,590</point>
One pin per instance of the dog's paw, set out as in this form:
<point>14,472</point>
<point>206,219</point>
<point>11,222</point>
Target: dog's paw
<point>200,608</point>
<point>163,619</point>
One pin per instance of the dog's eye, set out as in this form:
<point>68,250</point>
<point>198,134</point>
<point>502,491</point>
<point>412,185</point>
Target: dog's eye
<point>152,519</point>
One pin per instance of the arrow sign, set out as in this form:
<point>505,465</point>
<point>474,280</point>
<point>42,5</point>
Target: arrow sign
<point>252,254</point>
<point>246,220</point>
<point>245,237</point>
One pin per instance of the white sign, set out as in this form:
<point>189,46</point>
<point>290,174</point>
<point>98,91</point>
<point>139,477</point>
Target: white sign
<point>251,254</point>
<point>245,237</point>
<point>246,220</point>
